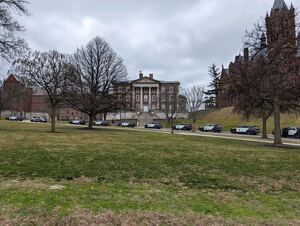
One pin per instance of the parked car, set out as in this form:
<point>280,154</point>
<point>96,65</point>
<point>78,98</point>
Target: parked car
<point>127,124</point>
<point>291,132</point>
<point>153,125</point>
<point>77,122</point>
<point>211,128</point>
<point>101,123</point>
<point>14,118</point>
<point>35,119</point>
<point>186,127</point>
<point>43,119</point>
<point>250,130</point>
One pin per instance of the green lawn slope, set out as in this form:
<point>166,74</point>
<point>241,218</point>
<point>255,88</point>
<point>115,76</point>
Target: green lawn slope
<point>127,177</point>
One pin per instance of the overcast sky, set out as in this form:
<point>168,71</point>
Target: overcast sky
<point>174,39</point>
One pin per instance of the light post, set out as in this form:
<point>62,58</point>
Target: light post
<point>138,114</point>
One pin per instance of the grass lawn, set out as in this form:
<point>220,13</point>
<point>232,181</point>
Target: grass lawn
<point>115,177</point>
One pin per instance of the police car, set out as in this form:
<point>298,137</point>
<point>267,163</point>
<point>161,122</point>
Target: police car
<point>186,127</point>
<point>127,124</point>
<point>291,132</point>
<point>153,125</point>
<point>211,128</point>
<point>250,130</point>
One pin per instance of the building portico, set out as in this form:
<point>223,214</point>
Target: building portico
<point>148,95</point>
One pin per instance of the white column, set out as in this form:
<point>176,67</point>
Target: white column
<point>133,98</point>
<point>150,99</point>
<point>157,98</point>
<point>142,98</point>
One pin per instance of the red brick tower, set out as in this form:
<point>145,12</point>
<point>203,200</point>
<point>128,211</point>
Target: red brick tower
<point>281,26</point>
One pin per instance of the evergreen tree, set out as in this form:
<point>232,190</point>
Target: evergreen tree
<point>213,90</point>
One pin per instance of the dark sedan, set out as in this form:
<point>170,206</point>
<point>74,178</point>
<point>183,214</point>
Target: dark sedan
<point>77,122</point>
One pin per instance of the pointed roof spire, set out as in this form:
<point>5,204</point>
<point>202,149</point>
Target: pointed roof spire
<point>279,4</point>
<point>292,6</point>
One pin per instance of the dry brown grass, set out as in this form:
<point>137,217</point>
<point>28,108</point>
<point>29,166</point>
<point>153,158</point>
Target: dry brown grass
<point>84,217</point>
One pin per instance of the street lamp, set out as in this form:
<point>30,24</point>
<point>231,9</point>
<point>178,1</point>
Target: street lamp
<point>138,113</point>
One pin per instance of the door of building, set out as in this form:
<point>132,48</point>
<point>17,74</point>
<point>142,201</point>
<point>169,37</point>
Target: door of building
<point>146,108</point>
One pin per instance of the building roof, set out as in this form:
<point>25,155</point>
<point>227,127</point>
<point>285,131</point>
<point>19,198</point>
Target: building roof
<point>279,4</point>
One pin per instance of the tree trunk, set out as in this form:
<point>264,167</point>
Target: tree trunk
<point>53,114</point>
<point>172,123</point>
<point>91,120</point>
<point>194,122</point>
<point>277,129</point>
<point>264,122</point>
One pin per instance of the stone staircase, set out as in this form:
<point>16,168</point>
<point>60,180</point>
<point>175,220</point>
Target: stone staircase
<point>145,118</point>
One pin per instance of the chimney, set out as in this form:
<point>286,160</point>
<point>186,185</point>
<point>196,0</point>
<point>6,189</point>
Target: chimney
<point>141,75</point>
<point>151,76</point>
<point>246,54</point>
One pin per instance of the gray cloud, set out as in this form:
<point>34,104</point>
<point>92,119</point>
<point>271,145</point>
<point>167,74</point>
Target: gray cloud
<point>174,39</point>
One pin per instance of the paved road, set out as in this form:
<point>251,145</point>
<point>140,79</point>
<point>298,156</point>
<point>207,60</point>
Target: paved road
<point>224,135</point>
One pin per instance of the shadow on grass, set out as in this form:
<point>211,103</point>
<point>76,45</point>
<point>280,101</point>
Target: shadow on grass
<point>283,146</point>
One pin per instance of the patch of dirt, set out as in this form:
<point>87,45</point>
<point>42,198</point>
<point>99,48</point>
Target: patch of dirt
<point>28,184</point>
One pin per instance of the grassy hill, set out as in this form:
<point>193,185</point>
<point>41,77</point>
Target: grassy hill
<point>126,177</point>
<point>227,118</point>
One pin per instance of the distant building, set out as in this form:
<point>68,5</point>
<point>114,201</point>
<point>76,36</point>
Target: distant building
<point>147,95</point>
<point>144,97</point>
<point>281,15</point>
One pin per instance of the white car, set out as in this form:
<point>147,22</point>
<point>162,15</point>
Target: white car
<point>250,130</point>
<point>12,117</point>
<point>291,132</point>
<point>101,123</point>
<point>211,128</point>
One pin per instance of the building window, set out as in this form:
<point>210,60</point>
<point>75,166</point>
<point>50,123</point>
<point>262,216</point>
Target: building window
<point>163,89</point>
<point>146,98</point>
<point>163,98</point>
<point>127,97</point>
<point>170,98</point>
<point>163,106</point>
<point>137,98</point>
<point>171,90</point>
<point>154,97</point>
<point>120,89</point>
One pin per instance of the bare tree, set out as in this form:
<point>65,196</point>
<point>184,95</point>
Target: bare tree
<point>49,71</point>
<point>170,107</point>
<point>250,88</point>
<point>10,42</point>
<point>96,68</point>
<point>195,100</point>
<point>274,73</point>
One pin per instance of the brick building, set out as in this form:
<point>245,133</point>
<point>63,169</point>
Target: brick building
<point>280,15</point>
<point>30,99</point>
<point>147,96</point>
<point>143,97</point>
